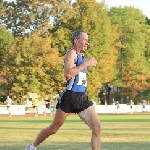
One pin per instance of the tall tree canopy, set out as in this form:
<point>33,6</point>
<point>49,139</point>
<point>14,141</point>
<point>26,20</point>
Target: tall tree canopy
<point>33,66</point>
<point>119,40</point>
<point>6,40</point>
<point>93,18</point>
<point>132,64</point>
<point>25,16</point>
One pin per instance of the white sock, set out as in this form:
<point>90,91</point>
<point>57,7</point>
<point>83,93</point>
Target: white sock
<point>32,147</point>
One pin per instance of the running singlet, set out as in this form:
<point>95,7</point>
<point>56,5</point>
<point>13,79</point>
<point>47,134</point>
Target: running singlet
<point>78,82</point>
<point>8,101</point>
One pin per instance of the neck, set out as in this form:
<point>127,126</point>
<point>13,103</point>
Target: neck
<point>77,50</point>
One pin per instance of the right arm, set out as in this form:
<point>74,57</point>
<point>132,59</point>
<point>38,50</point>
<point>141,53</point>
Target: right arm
<point>69,69</point>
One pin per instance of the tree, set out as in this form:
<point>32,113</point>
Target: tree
<point>34,66</point>
<point>131,63</point>
<point>23,17</point>
<point>1,7</point>
<point>96,22</point>
<point>90,16</point>
<point>6,40</point>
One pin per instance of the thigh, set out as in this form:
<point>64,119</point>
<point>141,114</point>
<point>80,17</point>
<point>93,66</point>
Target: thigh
<point>60,117</point>
<point>89,116</point>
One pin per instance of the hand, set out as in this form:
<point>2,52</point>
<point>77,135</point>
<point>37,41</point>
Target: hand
<point>91,62</point>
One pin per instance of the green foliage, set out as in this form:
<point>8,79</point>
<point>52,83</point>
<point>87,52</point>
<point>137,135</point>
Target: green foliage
<point>1,7</point>
<point>91,17</point>
<point>132,63</point>
<point>30,16</point>
<point>119,40</point>
<point>6,39</point>
<point>33,65</point>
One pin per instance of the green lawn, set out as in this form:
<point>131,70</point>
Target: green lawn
<point>119,132</point>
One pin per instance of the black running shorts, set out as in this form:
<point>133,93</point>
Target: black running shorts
<point>73,102</point>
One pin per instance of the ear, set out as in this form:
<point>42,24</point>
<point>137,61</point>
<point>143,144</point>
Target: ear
<point>75,41</point>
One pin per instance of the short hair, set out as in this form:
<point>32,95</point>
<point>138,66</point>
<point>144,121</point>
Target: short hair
<point>76,35</point>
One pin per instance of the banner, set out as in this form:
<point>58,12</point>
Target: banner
<point>15,109</point>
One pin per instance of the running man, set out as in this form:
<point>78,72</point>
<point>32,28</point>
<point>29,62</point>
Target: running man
<point>74,98</point>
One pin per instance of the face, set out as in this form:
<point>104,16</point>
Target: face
<point>82,43</point>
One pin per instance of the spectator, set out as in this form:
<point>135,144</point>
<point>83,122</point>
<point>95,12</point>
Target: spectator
<point>28,105</point>
<point>47,107</point>
<point>113,101</point>
<point>131,106</point>
<point>117,104</point>
<point>35,106</point>
<point>143,106</point>
<point>8,103</point>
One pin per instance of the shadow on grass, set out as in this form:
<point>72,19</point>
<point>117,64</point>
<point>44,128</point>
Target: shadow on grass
<point>39,128</point>
<point>77,146</point>
<point>33,120</point>
<point>125,146</point>
<point>75,121</point>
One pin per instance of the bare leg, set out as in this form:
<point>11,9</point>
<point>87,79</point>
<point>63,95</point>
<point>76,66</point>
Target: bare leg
<point>58,121</point>
<point>9,110</point>
<point>90,117</point>
<point>36,111</point>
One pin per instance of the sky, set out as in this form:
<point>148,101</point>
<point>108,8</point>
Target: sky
<point>143,5</point>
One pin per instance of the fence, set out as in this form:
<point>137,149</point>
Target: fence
<point>123,108</point>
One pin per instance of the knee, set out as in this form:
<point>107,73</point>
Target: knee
<point>97,129</point>
<point>52,129</point>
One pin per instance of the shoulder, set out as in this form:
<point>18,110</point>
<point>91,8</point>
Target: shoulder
<point>71,53</point>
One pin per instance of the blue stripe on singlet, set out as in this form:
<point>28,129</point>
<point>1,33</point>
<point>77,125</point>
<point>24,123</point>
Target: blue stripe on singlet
<point>59,100</point>
<point>78,83</point>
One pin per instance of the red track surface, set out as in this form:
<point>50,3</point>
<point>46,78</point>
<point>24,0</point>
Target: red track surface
<point>24,116</point>
<point>48,115</point>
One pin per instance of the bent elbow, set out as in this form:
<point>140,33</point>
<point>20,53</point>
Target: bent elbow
<point>68,76</point>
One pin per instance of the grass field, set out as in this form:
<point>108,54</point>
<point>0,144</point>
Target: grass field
<point>120,132</point>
